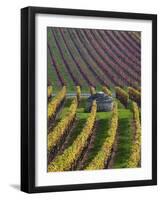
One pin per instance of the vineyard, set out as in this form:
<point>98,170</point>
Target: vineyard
<point>83,63</point>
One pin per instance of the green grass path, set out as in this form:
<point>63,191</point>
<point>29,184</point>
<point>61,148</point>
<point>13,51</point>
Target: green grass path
<point>124,139</point>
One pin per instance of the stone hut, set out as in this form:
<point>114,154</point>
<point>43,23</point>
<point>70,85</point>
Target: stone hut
<point>104,102</point>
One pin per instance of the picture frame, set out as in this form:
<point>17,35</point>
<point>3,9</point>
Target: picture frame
<point>29,71</point>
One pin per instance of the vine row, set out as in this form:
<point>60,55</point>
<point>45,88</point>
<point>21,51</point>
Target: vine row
<point>100,160</point>
<point>67,160</point>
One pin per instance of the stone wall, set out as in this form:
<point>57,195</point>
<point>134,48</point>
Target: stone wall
<point>101,107</point>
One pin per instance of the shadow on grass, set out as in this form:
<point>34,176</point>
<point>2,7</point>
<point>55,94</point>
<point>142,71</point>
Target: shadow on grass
<point>79,124</point>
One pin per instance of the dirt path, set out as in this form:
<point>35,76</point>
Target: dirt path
<point>84,156</point>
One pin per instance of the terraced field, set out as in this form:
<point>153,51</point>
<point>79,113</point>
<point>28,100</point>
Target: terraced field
<point>81,63</point>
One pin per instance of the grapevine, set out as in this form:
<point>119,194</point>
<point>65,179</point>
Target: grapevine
<point>106,91</point>
<point>78,91</point>
<point>135,95</point>
<point>65,161</point>
<point>49,91</point>
<point>92,90</point>
<point>55,102</point>
<point>122,96</point>
<point>136,148</point>
<point>103,155</point>
<point>63,126</point>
